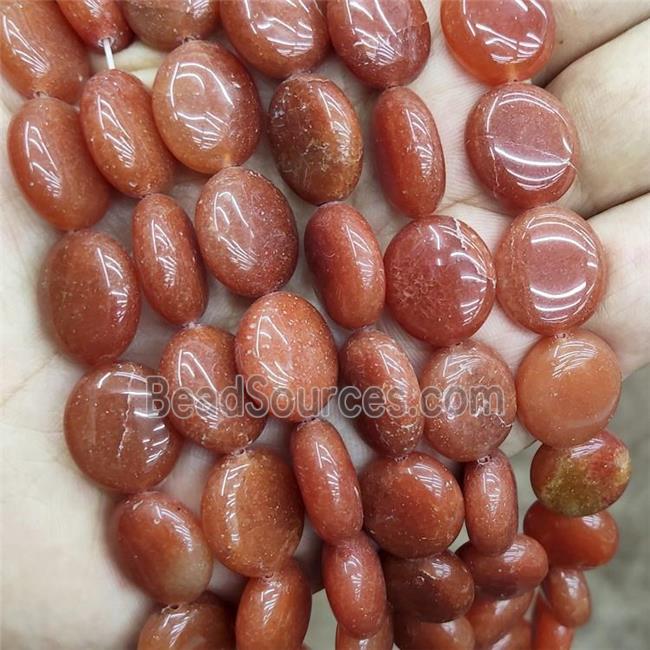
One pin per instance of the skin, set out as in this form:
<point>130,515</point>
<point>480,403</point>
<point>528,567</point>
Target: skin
<point>51,513</point>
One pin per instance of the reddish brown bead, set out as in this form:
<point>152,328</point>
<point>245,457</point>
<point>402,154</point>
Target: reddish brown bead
<point>381,640</point>
<point>491,508</point>
<point>114,433</point>
<point>198,364</point>
<point>568,388</point>
<point>413,506</point>
<point>96,21</point>
<point>413,634</point>
<point>491,618</point>
<point>468,393</point>
<point>344,256</point>
<point>251,511</point>
<point>434,589</point>
<point>520,637</point>
<point>315,138</point>
<point>548,632</point>
<point>327,480</point>
<point>383,42</point>
<point>568,596</point>
<point>247,232</point>
<point>206,107</point>
<point>522,144</point>
<point>573,542</point>
<point>39,51</point>
<point>52,166</point>
<point>90,296</point>
<point>274,612</point>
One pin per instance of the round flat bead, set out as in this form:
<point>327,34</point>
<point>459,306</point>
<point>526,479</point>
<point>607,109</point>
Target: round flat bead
<point>381,640</point>
<point>522,144</point>
<point>383,42</point>
<point>548,632</point>
<point>491,618</point>
<point>96,21</point>
<point>206,107</point>
<point>440,280</point>
<point>567,594</point>
<point>114,433</point>
<point>551,270</point>
<point>414,634</point>
<point>568,388</point>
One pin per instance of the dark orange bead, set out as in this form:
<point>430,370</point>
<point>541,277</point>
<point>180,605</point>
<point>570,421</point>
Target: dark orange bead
<point>414,634</point>
<point>548,632</point>
<point>519,637</point>
<point>381,640</point>
<point>491,618</point>
<point>96,21</point>
<point>567,594</point>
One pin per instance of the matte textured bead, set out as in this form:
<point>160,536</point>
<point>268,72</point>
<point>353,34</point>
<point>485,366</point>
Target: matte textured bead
<point>567,594</point>
<point>548,632</point>
<point>414,634</point>
<point>96,21</point>
<point>491,617</point>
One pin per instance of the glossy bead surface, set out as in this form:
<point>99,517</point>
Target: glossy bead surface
<point>381,640</point>
<point>247,232</point>
<point>568,388</point>
<point>551,270</point>
<point>90,297</point>
<point>96,21</point>
<point>52,165</point>
<point>206,107</point>
<point>162,548</point>
<point>113,432</point>
<point>252,513</point>
<point>499,40</point>
<point>567,594</point>
<point>344,255</point>
<point>40,52</point>
<point>469,397</point>
<point>327,480</point>
<point>413,507</point>
<point>315,138</point>
<point>548,632</point>
<point>519,637</point>
<point>440,280</point>
<point>413,634</point>
<point>383,42</point>
<point>522,144</point>
<point>286,354</point>
<point>491,618</point>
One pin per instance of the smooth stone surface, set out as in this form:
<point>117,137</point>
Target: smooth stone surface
<point>520,637</point>
<point>252,513</point>
<point>89,296</point>
<point>315,138</point>
<point>408,153</point>
<point>40,52</point>
<point>548,632</point>
<point>568,388</point>
<point>345,258</point>
<point>567,594</point>
<point>381,640</point>
<point>383,42</point>
<point>413,506</point>
<point>551,270</point>
<point>468,393</point>
<point>499,40</point>
<point>198,364</point>
<point>52,165</point>
<point>491,618</point>
<point>440,280</point>
<point>96,21</point>
<point>206,107</point>
<point>523,145</point>
<point>113,432</point>
<point>413,634</point>
<point>247,232</point>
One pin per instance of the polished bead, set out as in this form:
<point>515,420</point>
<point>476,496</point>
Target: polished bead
<point>383,42</point>
<point>491,618</point>
<point>414,634</point>
<point>315,138</point>
<point>114,432</point>
<point>96,21</point>
<point>90,297</point>
<point>206,107</point>
<point>381,640</point>
<point>247,232</point>
<point>567,594</point>
<point>440,280</point>
<point>568,388</point>
<point>52,166</point>
<point>408,154</point>
<point>519,637</point>
<point>548,632</point>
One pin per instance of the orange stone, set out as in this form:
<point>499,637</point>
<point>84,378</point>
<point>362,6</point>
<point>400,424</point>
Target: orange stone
<point>567,595</point>
<point>548,632</point>
<point>96,21</point>
<point>520,637</point>
<point>414,634</point>
<point>491,617</point>
<point>382,640</point>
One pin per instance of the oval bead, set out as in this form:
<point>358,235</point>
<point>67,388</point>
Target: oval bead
<point>315,138</point>
<point>198,364</point>
<point>519,637</point>
<point>251,512</point>
<point>568,388</point>
<point>491,507</point>
<point>286,354</point>
<point>40,52</point>
<point>440,280</point>
<point>381,640</point>
<point>96,21</point>
<point>344,255</point>
<point>548,632</point>
<point>491,618</point>
<point>469,398</point>
<point>89,294</point>
<point>413,506</point>
<point>274,612</point>
<point>206,107</point>
<point>567,594</point>
<point>355,585</point>
<point>413,634</point>
<point>114,433</point>
<point>383,42</point>
<point>434,589</point>
<point>522,144</point>
<point>52,166</point>
<point>162,548</point>
<point>327,480</point>
<point>247,232</point>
